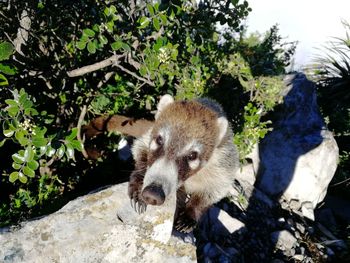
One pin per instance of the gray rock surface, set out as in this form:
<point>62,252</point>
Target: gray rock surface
<point>298,159</point>
<point>284,240</point>
<point>88,230</point>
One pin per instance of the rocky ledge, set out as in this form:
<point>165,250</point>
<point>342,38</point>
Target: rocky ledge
<point>89,229</point>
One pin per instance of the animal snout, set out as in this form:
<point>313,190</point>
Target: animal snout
<point>153,194</point>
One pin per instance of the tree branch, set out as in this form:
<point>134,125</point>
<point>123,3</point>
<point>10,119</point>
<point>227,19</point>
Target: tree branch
<point>80,122</point>
<point>94,67</point>
<point>23,31</point>
<point>135,75</point>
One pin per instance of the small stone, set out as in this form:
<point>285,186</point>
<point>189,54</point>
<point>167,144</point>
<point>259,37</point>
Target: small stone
<point>284,240</point>
<point>298,257</point>
<point>294,204</point>
<point>301,228</point>
<point>219,223</point>
<point>308,210</point>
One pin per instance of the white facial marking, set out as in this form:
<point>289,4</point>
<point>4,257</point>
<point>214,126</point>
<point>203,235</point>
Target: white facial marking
<point>193,146</point>
<point>194,164</point>
<point>162,172</point>
<point>154,146</point>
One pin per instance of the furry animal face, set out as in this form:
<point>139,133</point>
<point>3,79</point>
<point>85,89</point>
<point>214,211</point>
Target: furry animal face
<point>180,144</point>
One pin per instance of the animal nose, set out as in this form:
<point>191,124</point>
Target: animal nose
<point>153,194</point>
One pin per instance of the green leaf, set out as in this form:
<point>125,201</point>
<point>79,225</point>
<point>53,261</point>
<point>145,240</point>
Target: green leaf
<point>91,47</point>
<point>11,102</point>
<point>6,50</point>
<point>39,142</point>
<point>17,158</point>
<point>89,32</point>
<point>164,19</point>
<point>23,179</point>
<point>20,135</point>
<point>70,151</point>
<point>77,145</point>
<point>72,135</point>
<point>28,154</point>
<point>50,151</point>
<point>42,150</point>
<point>117,45</point>
<point>2,142</point>
<point>144,21</point>
<point>126,47</point>
<point>16,166</point>
<point>8,133</point>
<point>156,23</point>
<point>7,69</point>
<point>150,9</point>
<point>81,45</point>
<point>29,172</point>
<point>60,151</point>
<point>33,165</point>
<point>3,80</point>
<point>103,39</point>
<point>13,177</point>
<point>12,110</point>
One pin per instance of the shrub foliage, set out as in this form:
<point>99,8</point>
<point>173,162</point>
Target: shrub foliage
<point>61,58</point>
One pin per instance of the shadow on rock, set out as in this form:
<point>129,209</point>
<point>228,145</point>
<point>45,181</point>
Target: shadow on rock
<point>293,166</point>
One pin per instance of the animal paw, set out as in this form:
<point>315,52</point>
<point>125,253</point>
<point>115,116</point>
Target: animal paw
<point>137,203</point>
<point>184,223</point>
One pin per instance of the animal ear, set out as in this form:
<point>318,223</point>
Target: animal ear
<point>163,103</point>
<point>222,125</point>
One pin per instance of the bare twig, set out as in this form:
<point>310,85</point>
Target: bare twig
<point>105,79</point>
<point>94,67</point>
<point>80,122</point>
<point>339,183</point>
<point>23,31</point>
<point>47,82</point>
<point>135,75</point>
<point>133,62</point>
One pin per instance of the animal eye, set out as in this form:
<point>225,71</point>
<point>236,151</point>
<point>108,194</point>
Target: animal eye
<point>192,156</point>
<point>159,140</point>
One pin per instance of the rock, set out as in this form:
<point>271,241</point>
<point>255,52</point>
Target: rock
<point>298,159</point>
<point>307,209</point>
<point>284,240</point>
<point>298,257</point>
<point>243,192</point>
<point>216,223</point>
<point>246,173</point>
<point>88,230</point>
<point>300,228</point>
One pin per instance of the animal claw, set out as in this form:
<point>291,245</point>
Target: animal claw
<point>138,205</point>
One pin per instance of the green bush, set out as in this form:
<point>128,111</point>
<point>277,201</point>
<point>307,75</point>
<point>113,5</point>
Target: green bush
<point>117,57</point>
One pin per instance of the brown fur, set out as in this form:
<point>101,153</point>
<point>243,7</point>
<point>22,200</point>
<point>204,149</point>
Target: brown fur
<point>188,121</point>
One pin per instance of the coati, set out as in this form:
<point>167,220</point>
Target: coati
<point>188,149</point>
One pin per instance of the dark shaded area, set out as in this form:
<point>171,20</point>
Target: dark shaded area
<point>296,123</point>
<point>230,94</point>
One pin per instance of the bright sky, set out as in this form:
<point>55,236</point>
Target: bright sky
<point>311,22</point>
